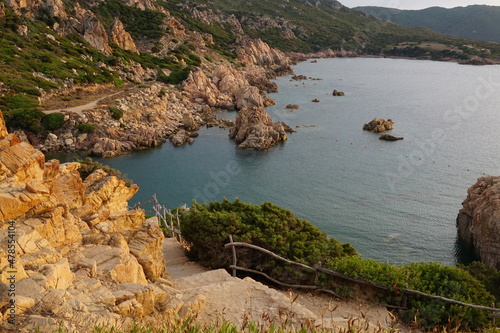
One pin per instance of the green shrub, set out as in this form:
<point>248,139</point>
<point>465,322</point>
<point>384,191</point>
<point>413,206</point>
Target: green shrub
<point>489,276</point>
<point>116,113</point>
<point>177,77</point>
<point>88,166</point>
<point>27,119</point>
<point>370,270</point>
<point>431,278</point>
<point>53,121</point>
<point>157,47</point>
<point>20,101</point>
<point>208,226</point>
<point>140,23</point>
<point>194,59</point>
<point>449,282</point>
<point>86,128</point>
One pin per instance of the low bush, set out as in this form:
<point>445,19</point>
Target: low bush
<point>20,101</point>
<point>431,278</point>
<point>116,113</point>
<point>88,166</point>
<point>489,276</point>
<point>27,119</point>
<point>208,226</point>
<point>86,128</point>
<point>53,121</point>
<point>177,77</point>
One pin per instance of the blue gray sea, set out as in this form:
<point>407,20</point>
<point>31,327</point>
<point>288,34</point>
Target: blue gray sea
<point>393,201</point>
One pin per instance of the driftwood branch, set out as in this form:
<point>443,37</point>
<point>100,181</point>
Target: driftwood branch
<point>342,276</point>
<point>232,244</point>
<point>274,280</point>
<point>480,307</point>
<point>328,292</point>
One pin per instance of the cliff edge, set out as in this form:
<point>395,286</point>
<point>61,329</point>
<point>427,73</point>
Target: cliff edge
<point>478,222</point>
<point>70,250</point>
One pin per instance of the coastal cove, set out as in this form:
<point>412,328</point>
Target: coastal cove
<point>393,201</point>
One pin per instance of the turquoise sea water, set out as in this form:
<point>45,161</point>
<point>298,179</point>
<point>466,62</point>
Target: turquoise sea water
<point>393,201</point>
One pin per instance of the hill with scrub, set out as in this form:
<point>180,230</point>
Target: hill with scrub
<point>109,76</point>
<point>477,22</point>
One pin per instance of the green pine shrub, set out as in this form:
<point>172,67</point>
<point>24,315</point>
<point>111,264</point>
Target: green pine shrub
<point>489,276</point>
<point>116,113</point>
<point>177,77</point>
<point>431,278</point>
<point>26,119</point>
<point>53,121</point>
<point>86,128</point>
<point>208,226</point>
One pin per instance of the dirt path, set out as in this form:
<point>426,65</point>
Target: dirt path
<point>216,295</point>
<point>178,265</point>
<point>89,106</point>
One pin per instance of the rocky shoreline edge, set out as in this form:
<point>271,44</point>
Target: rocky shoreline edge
<point>153,113</point>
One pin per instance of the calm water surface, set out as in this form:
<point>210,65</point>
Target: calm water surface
<point>393,201</point>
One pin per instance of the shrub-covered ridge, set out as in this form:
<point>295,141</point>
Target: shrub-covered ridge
<point>207,227</point>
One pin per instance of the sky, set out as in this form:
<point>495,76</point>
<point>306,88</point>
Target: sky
<point>418,4</point>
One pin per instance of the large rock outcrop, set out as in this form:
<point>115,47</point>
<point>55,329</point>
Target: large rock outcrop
<point>379,125</point>
<point>120,37</point>
<point>223,90</point>
<point>256,130</point>
<point>77,255</point>
<point>255,52</point>
<point>478,222</point>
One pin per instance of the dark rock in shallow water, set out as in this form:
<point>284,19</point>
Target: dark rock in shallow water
<point>338,93</point>
<point>388,137</point>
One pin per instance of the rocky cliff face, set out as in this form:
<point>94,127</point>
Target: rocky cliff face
<point>478,222</point>
<point>255,52</point>
<point>120,37</point>
<point>77,255</point>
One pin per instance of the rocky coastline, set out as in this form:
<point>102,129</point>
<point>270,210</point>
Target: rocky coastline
<point>155,113</point>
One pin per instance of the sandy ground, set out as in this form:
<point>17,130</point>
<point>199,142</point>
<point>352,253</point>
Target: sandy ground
<point>219,296</point>
<point>83,101</point>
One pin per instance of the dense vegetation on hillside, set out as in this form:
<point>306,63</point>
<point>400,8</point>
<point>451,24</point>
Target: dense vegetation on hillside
<point>207,228</point>
<point>328,24</point>
<point>41,60</point>
<point>478,22</point>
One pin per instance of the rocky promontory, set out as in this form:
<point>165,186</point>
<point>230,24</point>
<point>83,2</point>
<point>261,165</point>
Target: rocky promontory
<point>478,222</point>
<point>255,129</point>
